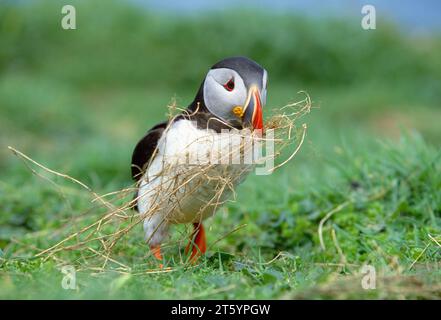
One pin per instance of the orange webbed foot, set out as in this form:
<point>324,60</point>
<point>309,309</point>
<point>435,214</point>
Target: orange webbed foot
<point>156,250</point>
<point>197,242</point>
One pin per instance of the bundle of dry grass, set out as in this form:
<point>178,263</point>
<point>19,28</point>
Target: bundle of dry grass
<point>174,184</point>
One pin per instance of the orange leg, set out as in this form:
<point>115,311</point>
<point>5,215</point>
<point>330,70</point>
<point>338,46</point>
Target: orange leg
<point>156,250</point>
<point>200,244</point>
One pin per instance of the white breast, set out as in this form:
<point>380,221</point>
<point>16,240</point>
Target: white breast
<point>192,173</point>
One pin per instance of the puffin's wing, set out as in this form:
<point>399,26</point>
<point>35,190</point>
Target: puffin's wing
<point>145,149</point>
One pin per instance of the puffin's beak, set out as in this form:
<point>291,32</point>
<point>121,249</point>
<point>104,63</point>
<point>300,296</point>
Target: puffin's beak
<point>253,114</point>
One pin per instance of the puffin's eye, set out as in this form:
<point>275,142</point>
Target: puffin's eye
<point>229,86</point>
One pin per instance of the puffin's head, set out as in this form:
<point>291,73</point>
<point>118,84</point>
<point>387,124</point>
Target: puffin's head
<point>234,90</point>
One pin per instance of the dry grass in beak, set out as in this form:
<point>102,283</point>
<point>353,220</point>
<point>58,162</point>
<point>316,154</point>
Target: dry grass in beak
<point>101,244</point>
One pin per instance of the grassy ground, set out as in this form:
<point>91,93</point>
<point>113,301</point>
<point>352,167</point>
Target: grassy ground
<point>79,101</point>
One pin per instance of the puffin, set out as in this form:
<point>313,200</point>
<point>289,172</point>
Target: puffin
<point>169,164</point>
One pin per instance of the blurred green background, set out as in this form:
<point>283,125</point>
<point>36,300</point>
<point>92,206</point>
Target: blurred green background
<point>79,100</point>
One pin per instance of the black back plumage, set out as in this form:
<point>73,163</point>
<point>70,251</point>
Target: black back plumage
<point>144,150</point>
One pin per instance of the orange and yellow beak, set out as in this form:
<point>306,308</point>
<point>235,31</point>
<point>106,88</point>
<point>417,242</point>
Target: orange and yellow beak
<point>252,112</point>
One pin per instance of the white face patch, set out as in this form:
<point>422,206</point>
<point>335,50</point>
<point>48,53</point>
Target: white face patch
<point>221,99</point>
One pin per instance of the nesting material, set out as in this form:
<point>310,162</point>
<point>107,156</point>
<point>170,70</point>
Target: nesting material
<point>169,189</point>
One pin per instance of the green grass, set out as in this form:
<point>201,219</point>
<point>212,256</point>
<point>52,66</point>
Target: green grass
<point>393,207</point>
<point>78,102</point>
